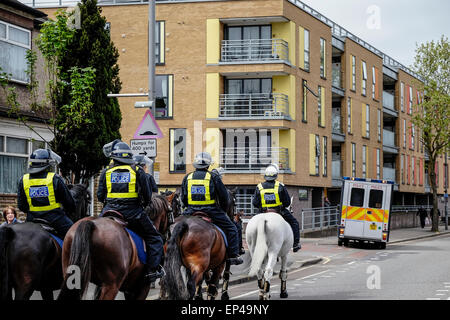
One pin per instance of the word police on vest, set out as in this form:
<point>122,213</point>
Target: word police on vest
<point>39,192</point>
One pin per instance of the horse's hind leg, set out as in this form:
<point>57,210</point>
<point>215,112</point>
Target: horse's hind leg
<point>47,295</point>
<point>268,273</point>
<point>283,277</point>
<point>108,292</point>
<point>226,280</point>
<point>214,282</point>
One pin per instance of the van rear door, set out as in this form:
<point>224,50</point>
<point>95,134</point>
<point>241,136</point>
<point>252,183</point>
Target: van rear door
<point>354,210</point>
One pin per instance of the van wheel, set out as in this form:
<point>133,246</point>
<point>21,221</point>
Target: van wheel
<point>345,243</point>
<point>382,245</point>
<point>339,242</point>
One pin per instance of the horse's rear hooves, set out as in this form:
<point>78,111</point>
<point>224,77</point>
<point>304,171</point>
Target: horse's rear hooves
<point>283,295</point>
<point>225,296</point>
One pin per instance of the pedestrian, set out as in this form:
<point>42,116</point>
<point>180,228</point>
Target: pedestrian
<point>10,216</point>
<point>326,202</point>
<point>422,213</point>
<point>238,222</point>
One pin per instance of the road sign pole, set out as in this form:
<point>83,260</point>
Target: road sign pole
<point>446,190</point>
<point>151,55</point>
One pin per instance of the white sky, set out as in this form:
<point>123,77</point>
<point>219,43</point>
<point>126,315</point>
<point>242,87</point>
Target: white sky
<point>401,23</point>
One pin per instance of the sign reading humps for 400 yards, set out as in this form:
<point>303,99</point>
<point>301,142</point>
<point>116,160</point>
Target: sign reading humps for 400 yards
<point>145,147</point>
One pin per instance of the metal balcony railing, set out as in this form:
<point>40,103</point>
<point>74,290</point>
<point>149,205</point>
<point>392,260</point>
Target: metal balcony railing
<point>389,174</point>
<point>255,105</point>
<point>337,78</point>
<point>253,159</point>
<point>254,50</point>
<point>336,169</point>
<point>389,138</point>
<point>337,124</point>
<point>389,101</point>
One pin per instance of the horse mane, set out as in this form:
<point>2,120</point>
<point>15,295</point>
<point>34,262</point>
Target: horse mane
<point>159,203</point>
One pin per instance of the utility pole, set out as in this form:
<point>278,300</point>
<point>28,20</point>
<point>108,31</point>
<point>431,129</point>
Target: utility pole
<point>151,55</point>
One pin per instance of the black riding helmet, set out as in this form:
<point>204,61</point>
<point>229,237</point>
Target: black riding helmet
<point>121,152</point>
<point>42,159</point>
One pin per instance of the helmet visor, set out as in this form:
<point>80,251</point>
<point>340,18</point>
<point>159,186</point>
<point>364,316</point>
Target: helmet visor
<point>55,158</point>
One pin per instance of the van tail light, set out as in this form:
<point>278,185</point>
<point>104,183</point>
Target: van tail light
<point>384,236</point>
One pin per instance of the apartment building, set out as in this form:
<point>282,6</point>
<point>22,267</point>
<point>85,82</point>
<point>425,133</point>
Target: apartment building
<point>268,81</point>
<point>19,26</point>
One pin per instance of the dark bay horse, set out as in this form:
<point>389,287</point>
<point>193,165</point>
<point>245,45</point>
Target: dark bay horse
<point>30,259</point>
<point>199,248</point>
<point>107,256</point>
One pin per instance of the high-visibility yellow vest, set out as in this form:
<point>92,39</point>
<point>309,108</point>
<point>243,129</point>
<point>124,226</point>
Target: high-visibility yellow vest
<point>200,189</point>
<point>40,189</point>
<point>121,183</point>
<point>270,195</point>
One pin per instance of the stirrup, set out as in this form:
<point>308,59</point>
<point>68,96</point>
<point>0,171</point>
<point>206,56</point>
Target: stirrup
<point>235,261</point>
<point>296,247</point>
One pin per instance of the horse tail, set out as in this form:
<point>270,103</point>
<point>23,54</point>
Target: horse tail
<point>6,235</point>
<point>80,256</point>
<point>260,248</point>
<point>175,285</point>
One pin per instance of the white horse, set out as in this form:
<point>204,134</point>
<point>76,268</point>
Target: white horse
<point>268,237</point>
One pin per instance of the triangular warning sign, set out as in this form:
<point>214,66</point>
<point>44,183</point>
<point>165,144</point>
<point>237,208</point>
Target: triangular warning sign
<point>148,128</point>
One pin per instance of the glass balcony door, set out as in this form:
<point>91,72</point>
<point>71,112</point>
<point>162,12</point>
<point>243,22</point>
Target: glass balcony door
<point>252,42</point>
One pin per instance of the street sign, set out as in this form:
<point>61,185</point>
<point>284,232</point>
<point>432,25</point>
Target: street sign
<point>148,128</point>
<point>145,147</point>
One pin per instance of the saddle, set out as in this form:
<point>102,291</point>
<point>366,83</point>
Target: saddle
<point>116,216</point>
<point>46,226</point>
<point>205,217</point>
<point>137,239</point>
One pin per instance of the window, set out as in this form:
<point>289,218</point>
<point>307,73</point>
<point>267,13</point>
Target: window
<point>357,197</point>
<point>413,136</point>
<point>349,115</point>
<point>353,73</point>
<point>14,44</point>
<point>374,82</point>
<point>163,96</point>
<point>323,61</point>
<point>402,168</point>
<point>321,107</point>
<point>364,161</point>
<point>404,133</point>
<point>13,162</point>
<point>304,103</point>
<point>367,121</point>
<point>364,78</point>
<point>375,198</point>
<point>402,96</point>
<point>306,56</point>
<point>379,124</point>
<point>413,170</point>
<point>325,156</point>
<point>410,100</point>
<point>177,161</point>
<point>378,163</point>
<point>159,42</point>
<point>353,160</point>
<point>317,160</point>
<point>250,43</point>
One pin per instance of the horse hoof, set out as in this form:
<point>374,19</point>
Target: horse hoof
<point>283,295</point>
<point>225,296</point>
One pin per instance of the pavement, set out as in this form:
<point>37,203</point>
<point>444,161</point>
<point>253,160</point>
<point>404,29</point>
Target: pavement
<point>305,257</point>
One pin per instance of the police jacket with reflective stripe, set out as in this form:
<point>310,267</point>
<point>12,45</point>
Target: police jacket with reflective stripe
<point>282,192</point>
<point>217,190</point>
<point>124,188</point>
<point>60,190</point>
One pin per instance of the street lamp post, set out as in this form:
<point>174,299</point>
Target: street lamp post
<point>446,190</point>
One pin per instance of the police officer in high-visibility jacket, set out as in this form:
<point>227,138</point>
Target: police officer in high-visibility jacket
<point>199,192</point>
<point>42,194</point>
<point>124,187</point>
<point>272,194</point>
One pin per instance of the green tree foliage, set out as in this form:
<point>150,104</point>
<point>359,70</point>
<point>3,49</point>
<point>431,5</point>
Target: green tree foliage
<point>432,64</point>
<point>84,61</point>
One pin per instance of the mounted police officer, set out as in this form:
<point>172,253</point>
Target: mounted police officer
<point>199,192</point>
<point>124,187</point>
<point>146,163</point>
<point>272,194</point>
<point>42,194</point>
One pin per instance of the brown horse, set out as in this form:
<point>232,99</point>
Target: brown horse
<point>199,247</point>
<point>105,255</point>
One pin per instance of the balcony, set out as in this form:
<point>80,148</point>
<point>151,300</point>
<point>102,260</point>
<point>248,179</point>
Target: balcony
<point>389,174</point>
<point>255,50</point>
<point>389,144</point>
<point>336,172</point>
<point>337,82</point>
<point>389,104</point>
<point>255,106</point>
<point>254,159</point>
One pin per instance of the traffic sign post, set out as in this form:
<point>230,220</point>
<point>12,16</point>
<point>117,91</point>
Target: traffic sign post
<point>145,147</point>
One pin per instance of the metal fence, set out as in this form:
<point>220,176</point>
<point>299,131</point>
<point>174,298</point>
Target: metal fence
<point>254,50</point>
<point>255,105</point>
<point>319,218</point>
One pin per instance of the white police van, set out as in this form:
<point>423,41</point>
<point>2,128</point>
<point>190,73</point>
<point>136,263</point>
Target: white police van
<point>365,211</point>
